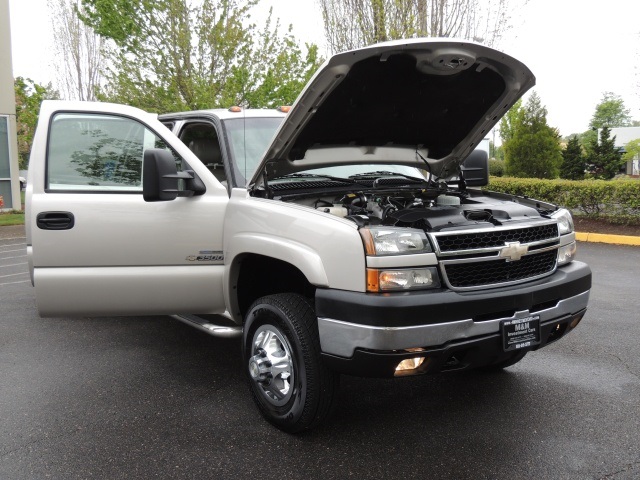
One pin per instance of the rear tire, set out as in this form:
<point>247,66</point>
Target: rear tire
<point>281,350</point>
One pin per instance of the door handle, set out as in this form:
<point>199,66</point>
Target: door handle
<point>55,220</point>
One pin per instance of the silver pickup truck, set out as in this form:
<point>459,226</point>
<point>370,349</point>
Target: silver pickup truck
<point>347,235</point>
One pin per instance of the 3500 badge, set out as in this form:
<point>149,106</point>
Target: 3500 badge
<point>206,256</point>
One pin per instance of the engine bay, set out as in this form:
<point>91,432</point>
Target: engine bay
<point>429,209</point>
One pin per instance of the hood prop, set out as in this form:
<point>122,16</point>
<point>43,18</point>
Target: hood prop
<point>267,190</point>
<point>462,184</point>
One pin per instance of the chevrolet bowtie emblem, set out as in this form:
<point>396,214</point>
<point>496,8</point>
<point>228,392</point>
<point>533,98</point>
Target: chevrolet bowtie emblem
<point>513,251</point>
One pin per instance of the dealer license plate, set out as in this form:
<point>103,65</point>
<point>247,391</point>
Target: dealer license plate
<point>520,333</point>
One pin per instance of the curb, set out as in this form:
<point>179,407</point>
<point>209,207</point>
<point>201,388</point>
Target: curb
<point>606,238</point>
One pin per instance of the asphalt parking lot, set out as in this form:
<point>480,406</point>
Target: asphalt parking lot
<point>149,397</point>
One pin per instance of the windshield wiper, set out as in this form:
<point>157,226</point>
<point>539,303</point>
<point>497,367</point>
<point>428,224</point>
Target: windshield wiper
<point>349,180</point>
<point>385,173</point>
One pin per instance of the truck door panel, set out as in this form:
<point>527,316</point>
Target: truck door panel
<point>121,255</point>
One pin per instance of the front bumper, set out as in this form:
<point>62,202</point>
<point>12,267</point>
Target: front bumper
<point>369,334</point>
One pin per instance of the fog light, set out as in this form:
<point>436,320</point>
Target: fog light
<point>566,253</point>
<point>409,364</point>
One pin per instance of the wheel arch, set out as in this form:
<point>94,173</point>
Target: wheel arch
<point>253,275</point>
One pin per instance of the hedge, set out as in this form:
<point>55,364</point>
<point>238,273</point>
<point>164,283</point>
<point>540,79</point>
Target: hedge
<point>616,200</point>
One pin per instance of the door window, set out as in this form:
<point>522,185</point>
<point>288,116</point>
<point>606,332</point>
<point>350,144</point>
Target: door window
<point>97,152</point>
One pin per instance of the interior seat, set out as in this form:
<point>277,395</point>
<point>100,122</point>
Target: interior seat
<point>208,151</point>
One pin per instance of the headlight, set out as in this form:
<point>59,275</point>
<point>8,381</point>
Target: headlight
<point>394,241</point>
<point>565,222</point>
<point>402,279</point>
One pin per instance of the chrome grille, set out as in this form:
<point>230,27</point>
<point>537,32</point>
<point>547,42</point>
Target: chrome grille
<point>497,272</point>
<point>449,242</point>
<point>497,256</point>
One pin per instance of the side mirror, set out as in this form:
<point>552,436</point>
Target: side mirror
<point>475,169</point>
<point>161,179</point>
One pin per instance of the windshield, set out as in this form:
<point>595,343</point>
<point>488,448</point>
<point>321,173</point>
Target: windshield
<point>248,140</point>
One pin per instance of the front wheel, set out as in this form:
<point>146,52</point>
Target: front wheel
<point>281,349</point>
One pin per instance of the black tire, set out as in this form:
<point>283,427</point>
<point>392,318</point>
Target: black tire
<point>281,350</point>
<point>509,361</point>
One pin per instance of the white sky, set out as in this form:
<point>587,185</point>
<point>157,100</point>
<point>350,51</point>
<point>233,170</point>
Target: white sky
<point>577,49</point>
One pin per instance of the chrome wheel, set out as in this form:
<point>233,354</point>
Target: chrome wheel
<point>271,365</point>
<point>281,350</point>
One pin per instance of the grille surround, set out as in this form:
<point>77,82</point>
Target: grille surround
<point>478,259</point>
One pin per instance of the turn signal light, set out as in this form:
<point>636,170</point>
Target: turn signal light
<point>402,279</point>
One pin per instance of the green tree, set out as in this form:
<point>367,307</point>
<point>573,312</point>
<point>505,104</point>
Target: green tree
<point>610,112</point>
<point>573,160</point>
<point>496,151</point>
<point>631,150</point>
<point>587,139</point>
<point>513,118</point>
<point>604,159</point>
<point>29,96</point>
<point>531,146</point>
<point>170,55</point>
<point>496,167</point>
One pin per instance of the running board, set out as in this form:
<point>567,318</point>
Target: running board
<point>210,328</point>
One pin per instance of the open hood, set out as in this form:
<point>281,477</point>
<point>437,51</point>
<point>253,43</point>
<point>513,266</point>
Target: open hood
<point>388,102</point>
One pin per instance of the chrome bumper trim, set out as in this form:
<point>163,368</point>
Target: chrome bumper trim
<point>343,338</point>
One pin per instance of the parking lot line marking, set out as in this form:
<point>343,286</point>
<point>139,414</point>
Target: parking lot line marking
<point>13,245</point>
<point>17,250</point>
<point>14,283</point>
<point>13,274</point>
<point>14,265</point>
<point>9,258</point>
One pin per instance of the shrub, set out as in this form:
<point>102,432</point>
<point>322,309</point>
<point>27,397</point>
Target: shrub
<point>615,199</point>
<point>496,167</point>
